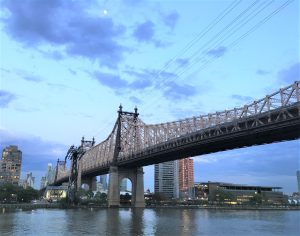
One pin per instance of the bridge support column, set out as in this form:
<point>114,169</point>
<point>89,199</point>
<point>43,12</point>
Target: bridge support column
<point>79,175</point>
<point>113,187</point>
<point>138,189</point>
<point>136,176</point>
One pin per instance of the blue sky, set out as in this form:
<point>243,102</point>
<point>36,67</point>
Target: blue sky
<point>67,65</point>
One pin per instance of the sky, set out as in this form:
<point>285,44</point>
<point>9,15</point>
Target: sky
<point>66,66</point>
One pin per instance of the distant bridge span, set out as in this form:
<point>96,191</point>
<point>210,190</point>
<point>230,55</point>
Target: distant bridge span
<point>133,144</point>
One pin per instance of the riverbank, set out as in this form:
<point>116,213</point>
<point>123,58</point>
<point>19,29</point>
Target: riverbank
<point>229,207</point>
<point>30,206</point>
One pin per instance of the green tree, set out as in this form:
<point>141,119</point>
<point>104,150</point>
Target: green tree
<point>11,193</point>
<point>224,196</point>
<point>89,194</point>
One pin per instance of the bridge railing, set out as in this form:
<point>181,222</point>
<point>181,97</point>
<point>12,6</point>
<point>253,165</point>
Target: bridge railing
<point>150,135</point>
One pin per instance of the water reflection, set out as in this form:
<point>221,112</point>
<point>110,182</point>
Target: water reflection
<point>127,221</point>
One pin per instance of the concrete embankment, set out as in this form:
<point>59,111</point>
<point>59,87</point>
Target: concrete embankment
<point>27,206</point>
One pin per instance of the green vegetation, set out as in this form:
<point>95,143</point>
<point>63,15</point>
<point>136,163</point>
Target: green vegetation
<point>10,193</point>
<point>224,196</point>
<point>88,198</point>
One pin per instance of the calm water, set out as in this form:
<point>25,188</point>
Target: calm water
<point>149,222</point>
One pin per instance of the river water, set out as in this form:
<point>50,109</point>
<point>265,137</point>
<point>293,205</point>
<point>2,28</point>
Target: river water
<point>160,222</point>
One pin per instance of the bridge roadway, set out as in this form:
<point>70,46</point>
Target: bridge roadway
<point>281,124</point>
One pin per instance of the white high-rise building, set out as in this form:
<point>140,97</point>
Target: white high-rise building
<point>43,182</point>
<point>29,180</point>
<point>103,181</point>
<point>50,175</point>
<point>166,179</point>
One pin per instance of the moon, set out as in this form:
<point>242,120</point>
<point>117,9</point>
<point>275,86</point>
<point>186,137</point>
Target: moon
<point>105,12</point>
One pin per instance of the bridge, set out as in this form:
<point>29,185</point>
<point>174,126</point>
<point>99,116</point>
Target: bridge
<point>133,144</point>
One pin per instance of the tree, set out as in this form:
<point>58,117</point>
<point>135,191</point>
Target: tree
<point>11,193</point>
<point>89,194</point>
<point>224,196</point>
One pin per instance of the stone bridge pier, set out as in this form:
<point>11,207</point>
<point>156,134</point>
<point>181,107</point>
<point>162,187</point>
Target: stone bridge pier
<point>136,176</point>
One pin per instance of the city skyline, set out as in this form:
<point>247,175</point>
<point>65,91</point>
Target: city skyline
<point>55,84</point>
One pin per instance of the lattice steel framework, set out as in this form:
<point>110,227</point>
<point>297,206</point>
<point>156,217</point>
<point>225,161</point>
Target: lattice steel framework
<point>130,135</point>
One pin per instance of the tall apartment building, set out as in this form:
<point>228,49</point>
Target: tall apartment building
<point>186,176</point>
<point>10,168</point>
<point>166,179</point>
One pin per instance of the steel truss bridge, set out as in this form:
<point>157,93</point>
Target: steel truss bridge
<point>133,143</point>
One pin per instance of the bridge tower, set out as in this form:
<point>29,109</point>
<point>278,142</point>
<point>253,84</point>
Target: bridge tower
<point>75,154</point>
<point>116,173</point>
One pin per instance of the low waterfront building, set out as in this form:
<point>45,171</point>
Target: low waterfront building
<point>238,193</point>
<point>55,193</point>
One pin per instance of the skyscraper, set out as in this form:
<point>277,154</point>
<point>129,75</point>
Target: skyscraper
<point>186,176</point>
<point>166,179</point>
<point>103,181</point>
<point>123,185</point>
<point>29,182</point>
<point>298,180</point>
<point>10,169</point>
<point>50,175</point>
<point>43,182</point>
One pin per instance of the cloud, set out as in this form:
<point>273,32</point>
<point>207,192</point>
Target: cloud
<point>36,152</point>
<point>218,52</point>
<point>284,158</point>
<point>135,100</point>
<point>260,165</point>
<point>141,80</point>
<point>59,87</point>
<point>171,19</point>
<point>6,98</point>
<point>32,78</point>
<point>262,72</point>
<point>140,84</point>
<point>175,91</point>
<point>110,80</point>
<point>182,61</point>
<point>144,32</point>
<point>132,2</point>
<point>66,24</point>
<point>242,98</point>
<point>290,74</point>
